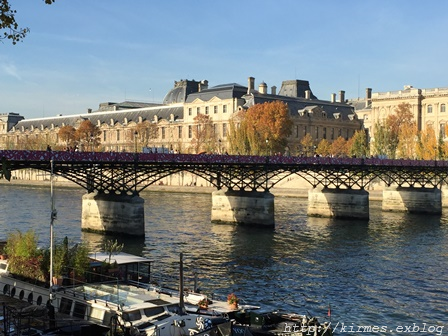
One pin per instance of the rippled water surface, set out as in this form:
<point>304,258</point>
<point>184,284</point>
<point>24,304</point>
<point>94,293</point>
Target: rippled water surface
<point>390,271</point>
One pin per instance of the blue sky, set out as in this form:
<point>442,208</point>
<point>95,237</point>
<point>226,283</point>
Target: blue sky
<point>80,53</point>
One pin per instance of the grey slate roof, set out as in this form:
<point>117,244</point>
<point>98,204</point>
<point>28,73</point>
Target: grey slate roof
<point>224,91</point>
<point>295,104</point>
<point>131,115</point>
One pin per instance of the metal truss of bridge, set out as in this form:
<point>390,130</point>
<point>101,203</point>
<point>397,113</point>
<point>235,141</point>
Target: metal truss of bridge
<point>236,176</point>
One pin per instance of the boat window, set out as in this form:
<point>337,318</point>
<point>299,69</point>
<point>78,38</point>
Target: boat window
<point>13,292</point>
<point>21,294</point>
<point>80,310</point>
<point>153,311</point>
<point>30,298</point>
<point>174,308</point>
<point>132,316</point>
<point>5,289</point>
<point>65,306</point>
<point>39,300</point>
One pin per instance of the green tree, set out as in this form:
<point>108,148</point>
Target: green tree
<point>9,25</point>
<point>237,137</point>
<point>358,144</point>
<point>112,247</point>
<point>380,141</point>
<point>24,256</point>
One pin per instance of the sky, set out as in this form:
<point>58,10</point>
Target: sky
<point>80,53</point>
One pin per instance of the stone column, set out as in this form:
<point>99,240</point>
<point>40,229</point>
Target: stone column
<point>243,207</point>
<point>338,203</point>
<point>412,200</point>
<point>110,213</point>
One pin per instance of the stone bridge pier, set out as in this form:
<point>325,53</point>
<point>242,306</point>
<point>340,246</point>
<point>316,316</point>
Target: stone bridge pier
<point>112,213</point>
<point>412,200</point>
<point>252,208</point>
<point>338,203</point>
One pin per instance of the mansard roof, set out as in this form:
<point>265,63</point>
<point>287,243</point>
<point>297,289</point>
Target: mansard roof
<point>295,104</point>
<point>122,116</point>
<point>182,89</point>
<point>223,91</point>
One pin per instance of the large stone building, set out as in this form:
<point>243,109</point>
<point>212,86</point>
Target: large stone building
<point>429,107</point>
<point>175,118</point>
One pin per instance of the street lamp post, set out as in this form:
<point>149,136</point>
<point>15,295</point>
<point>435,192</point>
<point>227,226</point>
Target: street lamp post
<point>267,147</point>
<point>135,141</point>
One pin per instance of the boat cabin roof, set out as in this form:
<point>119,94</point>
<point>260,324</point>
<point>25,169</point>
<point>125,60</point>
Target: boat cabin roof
<point>120,258</point>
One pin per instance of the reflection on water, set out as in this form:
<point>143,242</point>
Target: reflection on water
<point>390,270</point>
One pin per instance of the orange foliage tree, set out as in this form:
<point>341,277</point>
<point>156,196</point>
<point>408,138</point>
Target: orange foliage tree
<point>307,145</point>
<point>339,147</point>
<point>204,138</point>
<point>88,135</point>
<point>67,134</point>
<point>145,132</point>
<point>267,126</point>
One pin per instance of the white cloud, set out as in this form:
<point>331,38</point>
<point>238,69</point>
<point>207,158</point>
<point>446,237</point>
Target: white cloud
<point>10,69</point>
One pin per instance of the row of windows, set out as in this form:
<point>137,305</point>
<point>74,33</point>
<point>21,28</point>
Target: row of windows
<point>207,110</point>
<point>442,108</point>
<point>321,132</point>
<point>215,130</point>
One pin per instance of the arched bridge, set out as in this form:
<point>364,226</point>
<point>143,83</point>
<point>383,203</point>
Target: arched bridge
<point>127,173</point>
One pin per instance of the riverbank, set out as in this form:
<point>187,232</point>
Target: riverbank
<point>291,190</point>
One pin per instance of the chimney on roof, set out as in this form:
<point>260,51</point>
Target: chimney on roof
<point>274,90</point>
<point>250,84</point>
<point>203,85</point>
<point>263,88</point>
<point>307,94</point>
<point>333,97</point>
<point>89,110</point>
<point>368,96</point>
<point>341,96</point>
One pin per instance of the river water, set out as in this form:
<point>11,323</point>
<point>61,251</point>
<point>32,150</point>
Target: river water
<point>390,271</point>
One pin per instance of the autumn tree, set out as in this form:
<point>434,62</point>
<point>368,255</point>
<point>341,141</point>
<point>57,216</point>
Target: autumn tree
<point>406,140</point>
<point>323,148</point>
<point>358,144</point>
<point>146,131</point>
<point>427,144</point>
<point>88,135</point>
<point>67,134</point>
<point>204,138</point>
<point>9,25</point>
<point>307,145</point>
<point>268,127</point>
<point>339,147</point>
<point>393,125</point>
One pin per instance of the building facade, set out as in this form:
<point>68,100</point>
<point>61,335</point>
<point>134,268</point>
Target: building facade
<point>175,121</point>
<point>428,106</point>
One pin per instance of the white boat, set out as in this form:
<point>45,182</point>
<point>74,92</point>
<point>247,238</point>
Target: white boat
<point>126,302</point>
